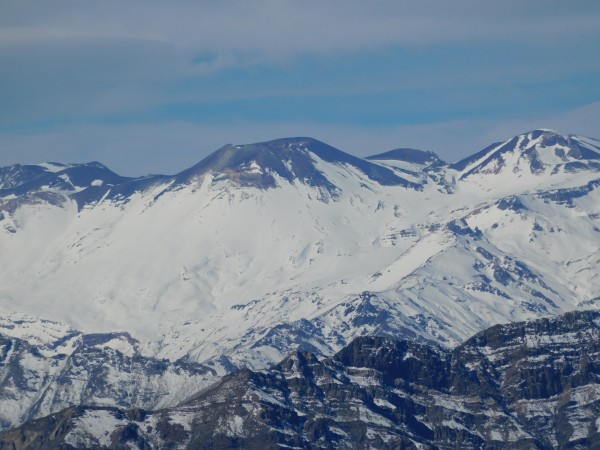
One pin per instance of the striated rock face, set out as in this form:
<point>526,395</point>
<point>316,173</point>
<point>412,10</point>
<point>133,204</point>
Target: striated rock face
<point>529,385</point>
<point>92,369</point>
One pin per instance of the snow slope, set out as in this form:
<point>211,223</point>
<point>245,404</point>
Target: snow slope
<point>262,248</point>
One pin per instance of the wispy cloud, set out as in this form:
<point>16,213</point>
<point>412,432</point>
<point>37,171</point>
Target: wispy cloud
<point>280,28</point>
<point>120,81</point>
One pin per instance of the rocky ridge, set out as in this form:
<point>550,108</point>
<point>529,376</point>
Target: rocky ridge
<point>518,386</point>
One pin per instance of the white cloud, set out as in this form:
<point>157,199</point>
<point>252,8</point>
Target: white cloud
<point>75,61</point>
<point>267,29</point>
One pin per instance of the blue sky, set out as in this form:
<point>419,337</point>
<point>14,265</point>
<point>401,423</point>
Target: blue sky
<point>148,86</point>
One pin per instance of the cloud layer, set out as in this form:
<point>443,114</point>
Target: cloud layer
<point>113,68</point>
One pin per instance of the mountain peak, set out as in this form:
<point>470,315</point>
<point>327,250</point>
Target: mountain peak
<point>258,164</point>
<point>27,179</point>
<point>540,151</point>
<point>295,158</point>
<point>409,155</point>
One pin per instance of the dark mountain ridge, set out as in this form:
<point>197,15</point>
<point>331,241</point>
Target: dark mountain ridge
<point>256,165</point>
<point>536,148</point>
<point>289,158</point>
<point>292,159</point>
<point>23,179</point>
<point>529,385</point>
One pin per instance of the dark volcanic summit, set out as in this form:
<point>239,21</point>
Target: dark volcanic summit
<point>289,158</point>
<point>410,155</point>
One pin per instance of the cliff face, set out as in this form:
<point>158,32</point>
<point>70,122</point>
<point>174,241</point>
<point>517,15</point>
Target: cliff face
<point>518,386</point>
<point>92,369</point>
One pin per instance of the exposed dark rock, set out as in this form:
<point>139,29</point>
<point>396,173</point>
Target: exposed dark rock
<point>409,155</point>
<point>290,159</point>
<point>532,385</point>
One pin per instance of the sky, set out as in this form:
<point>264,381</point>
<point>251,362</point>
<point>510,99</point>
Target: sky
<point>154,87</point>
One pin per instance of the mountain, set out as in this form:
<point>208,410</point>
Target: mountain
<point>540,152</point>
<point>418,166</point>
<point>50,367</point>
<point>257,165</point>
<point>518,386</point>
<point>286,245</point>
<point>293,159</point>
<point>22,180</point>
<point>408,155</point>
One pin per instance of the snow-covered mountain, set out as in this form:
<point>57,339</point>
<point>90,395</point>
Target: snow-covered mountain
<point>49,366</point>
<point>292,244</point>
<point>532,385</point>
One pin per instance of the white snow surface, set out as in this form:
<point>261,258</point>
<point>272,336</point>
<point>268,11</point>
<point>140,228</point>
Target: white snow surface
<point>210,268</point>
<point>54,168</point>
<point>94,428</point>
